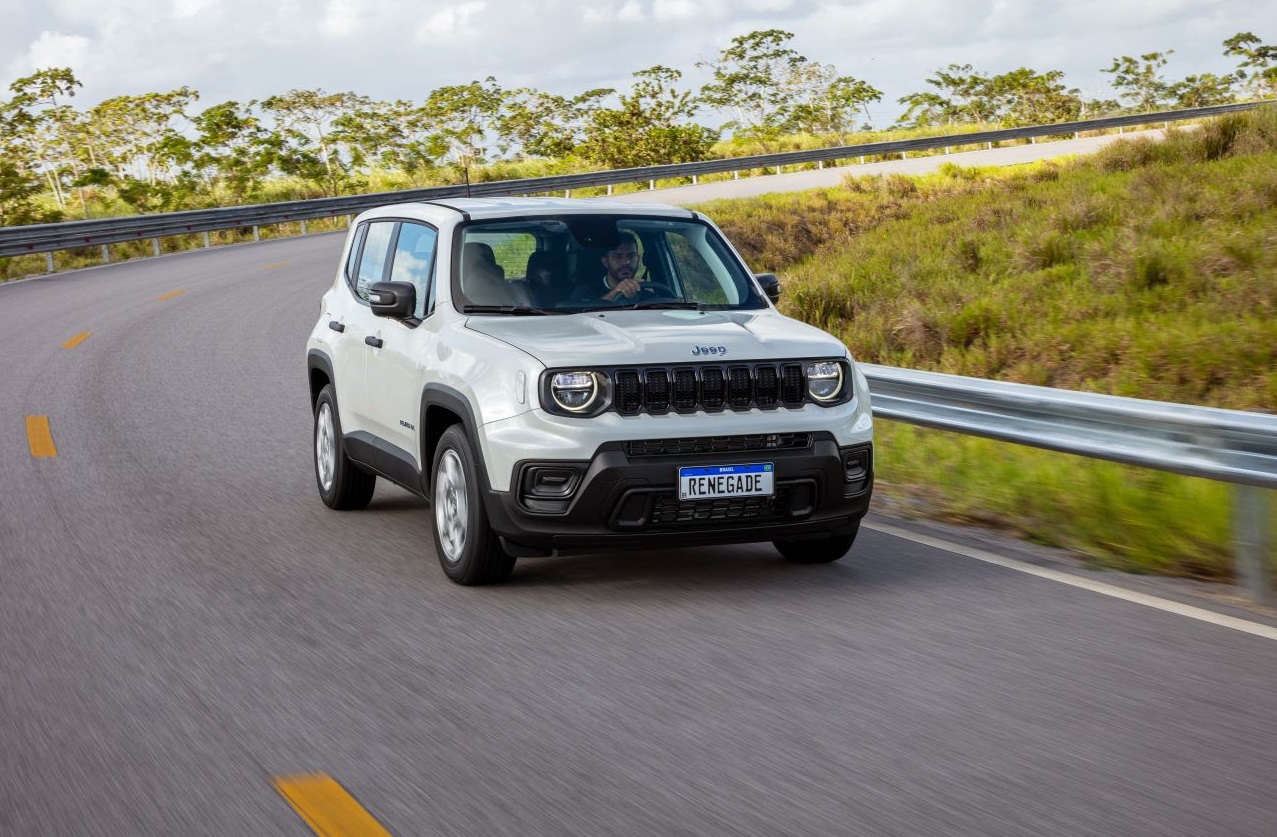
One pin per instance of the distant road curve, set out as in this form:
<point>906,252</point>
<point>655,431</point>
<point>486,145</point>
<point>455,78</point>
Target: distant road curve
<point>822,178</point>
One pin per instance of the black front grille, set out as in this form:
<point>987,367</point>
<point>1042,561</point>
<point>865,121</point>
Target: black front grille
<point>710,388</point>
<point>668,509</point>
<point>718,444</point>
<point>792,501</point>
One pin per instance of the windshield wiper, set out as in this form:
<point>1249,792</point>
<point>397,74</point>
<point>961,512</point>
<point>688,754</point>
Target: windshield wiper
<point>669,304</point>
<point>515,310</point>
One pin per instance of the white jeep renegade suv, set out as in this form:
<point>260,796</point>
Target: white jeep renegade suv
<point>478,353</point>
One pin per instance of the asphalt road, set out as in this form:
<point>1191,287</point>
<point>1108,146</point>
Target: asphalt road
<point>182,623</point>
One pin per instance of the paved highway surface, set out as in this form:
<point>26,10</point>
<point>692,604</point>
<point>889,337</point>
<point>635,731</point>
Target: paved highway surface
<point>184,628</point>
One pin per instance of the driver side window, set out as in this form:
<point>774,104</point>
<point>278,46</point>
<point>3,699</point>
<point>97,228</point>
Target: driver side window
<point>372,257</point>
<point>414,262</point>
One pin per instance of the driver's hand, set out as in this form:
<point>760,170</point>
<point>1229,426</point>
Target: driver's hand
<point>629,288</point>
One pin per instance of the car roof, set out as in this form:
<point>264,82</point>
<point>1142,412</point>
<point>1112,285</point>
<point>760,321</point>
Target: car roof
<point>446,210</point>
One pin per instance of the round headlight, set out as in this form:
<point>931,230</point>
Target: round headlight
<point>575,392</point>
<point>824,380</point>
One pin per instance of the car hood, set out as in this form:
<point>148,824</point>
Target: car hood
<point>620,338</point>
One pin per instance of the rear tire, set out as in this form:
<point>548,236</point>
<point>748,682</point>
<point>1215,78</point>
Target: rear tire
<point>342,485</point>
<point>469,551</point>
<point>816,550</point>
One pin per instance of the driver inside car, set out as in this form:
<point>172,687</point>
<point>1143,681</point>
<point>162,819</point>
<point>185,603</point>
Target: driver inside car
<point>620,280</point>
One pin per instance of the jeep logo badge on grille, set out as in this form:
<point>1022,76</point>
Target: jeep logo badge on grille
<point>697,351</point>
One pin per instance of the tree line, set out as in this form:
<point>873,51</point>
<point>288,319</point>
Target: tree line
<point>158,152</point>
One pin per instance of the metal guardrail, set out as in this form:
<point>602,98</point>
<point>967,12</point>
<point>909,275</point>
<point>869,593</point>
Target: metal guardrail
<point>1226,445</point>
<point>46,238</point>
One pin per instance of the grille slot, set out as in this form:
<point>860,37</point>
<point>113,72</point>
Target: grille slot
<point>739,387</point>
<point>791,384</point>
<point>684,389</point>
<point>657,390</point>
<point>712,398</point>
<point>766,386</point>
<point>629,396</point>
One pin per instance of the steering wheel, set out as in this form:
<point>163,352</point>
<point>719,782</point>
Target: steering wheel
<point>660,291</point>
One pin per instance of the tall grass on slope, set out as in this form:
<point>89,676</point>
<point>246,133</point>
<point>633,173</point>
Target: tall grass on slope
<point>1149,270</point>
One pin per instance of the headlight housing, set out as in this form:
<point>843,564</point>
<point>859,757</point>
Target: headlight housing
<point>825,381</point>
<point>575,392</point>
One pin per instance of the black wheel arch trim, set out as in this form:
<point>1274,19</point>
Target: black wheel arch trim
<point>317,360</point>
<point>440,395</point>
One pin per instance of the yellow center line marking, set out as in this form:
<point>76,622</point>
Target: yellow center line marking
<point>172,295</point>
<point>274,265</point>
<point>326,807</point>
<point>39,439</point>
<point>77,340</point>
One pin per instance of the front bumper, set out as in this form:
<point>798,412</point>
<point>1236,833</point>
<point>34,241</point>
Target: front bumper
<point>628,497</point>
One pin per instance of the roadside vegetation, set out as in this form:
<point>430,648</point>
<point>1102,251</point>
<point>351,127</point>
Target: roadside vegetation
<point>149,152</point>
<point>1148,270</point>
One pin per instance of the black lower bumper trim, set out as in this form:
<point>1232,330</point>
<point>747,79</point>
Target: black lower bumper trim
<point>625,502</point>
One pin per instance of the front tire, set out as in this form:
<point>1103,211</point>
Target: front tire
<point>469,551</point>
<point>816,550</point>
<point>342,485</point>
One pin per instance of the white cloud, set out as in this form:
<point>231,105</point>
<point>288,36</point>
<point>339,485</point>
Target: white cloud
<point>630,12</point>
<point>341,18</point>
<point>664,10</point>
<point>190,8</point>
<point>53,49</point>
<point>450,20</point>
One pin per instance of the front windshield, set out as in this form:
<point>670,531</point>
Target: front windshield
<point>573,263</point>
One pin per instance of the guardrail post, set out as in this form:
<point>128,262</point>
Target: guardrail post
<point>303,226</point>
<point>778,169</point>
<point>651,184</point>
<point>694,180</point>
<point>862,159</point>
<point>155,246</point>
<point>903,155</point>
<point>735,175</point>
<point>567,193</point>
<point>257,234</point>
<point>1033,140</point>
<point>990,145</point>
<point>609,188</point>
<point>820,165</point>
<point>207,242</point>
<point>106,254</point>
<point>1251,542</point>
<point>946,149</point>
<point>48,262</point>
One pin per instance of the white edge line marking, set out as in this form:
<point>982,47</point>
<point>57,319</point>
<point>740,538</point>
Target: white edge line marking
<point>1200,614</point>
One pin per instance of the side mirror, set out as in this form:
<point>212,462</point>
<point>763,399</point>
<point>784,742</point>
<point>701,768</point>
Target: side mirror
<point>771,285</point>
<point>393,299</point>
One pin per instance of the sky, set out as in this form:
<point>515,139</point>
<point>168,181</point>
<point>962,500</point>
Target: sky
<point>402,49</point>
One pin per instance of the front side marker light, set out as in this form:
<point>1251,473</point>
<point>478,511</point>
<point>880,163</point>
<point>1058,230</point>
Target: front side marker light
<point>824,381</point>
<point>575,392</point>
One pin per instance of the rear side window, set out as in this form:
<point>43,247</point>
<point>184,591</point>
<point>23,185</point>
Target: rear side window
<point>372,256</point>
<point>414,262</point>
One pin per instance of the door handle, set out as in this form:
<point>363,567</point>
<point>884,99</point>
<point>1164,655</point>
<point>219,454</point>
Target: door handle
<point>375,342</point>
<point>336,326</point>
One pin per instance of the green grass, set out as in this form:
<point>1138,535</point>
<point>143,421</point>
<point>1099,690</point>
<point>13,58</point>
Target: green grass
<point>1149,270</point>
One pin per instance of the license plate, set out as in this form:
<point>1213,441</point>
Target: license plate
<point>716,481</point>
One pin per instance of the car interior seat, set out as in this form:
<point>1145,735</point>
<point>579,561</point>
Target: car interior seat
<point>547,277</point>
